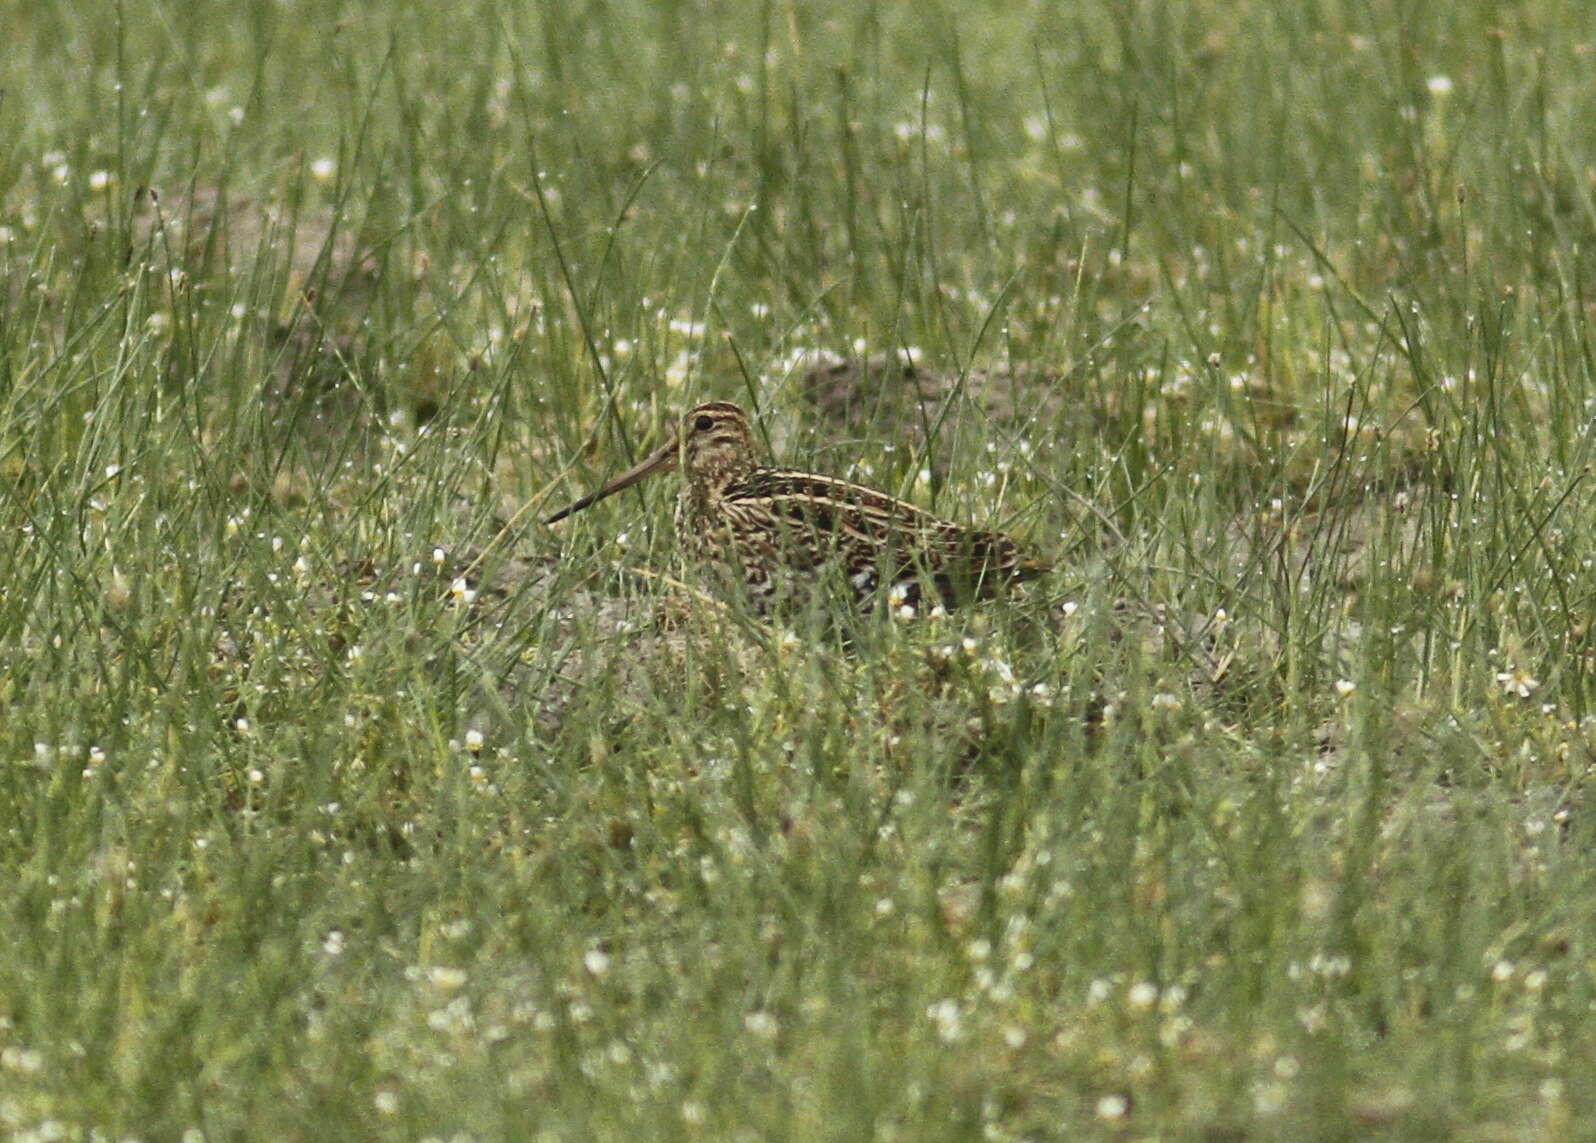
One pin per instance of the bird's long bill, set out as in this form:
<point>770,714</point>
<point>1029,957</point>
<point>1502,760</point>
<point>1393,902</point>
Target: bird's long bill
<point>659,460</point>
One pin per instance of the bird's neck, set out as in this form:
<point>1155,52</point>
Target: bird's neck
<point>707,485</point>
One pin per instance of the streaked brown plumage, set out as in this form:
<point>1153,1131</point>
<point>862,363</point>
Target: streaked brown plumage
<point>777,530</point>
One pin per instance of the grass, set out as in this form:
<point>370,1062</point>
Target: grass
<point>341,799</point>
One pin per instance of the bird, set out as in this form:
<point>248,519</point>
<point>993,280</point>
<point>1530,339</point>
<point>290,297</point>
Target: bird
<point>776,532</point>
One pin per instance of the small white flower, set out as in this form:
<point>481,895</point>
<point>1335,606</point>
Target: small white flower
<point>596,961</point>
<point>1518,682</point>
<point>1112,1106</point>
<point>324,169</point>
<point>1143,994</point>
<point>761,1024</point>
<point>947,1017</point>
<point>446,979</point>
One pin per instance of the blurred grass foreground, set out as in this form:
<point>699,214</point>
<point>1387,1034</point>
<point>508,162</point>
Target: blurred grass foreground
<point>340,799</point>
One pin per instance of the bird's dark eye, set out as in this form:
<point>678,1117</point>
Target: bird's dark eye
<point>704,423</point>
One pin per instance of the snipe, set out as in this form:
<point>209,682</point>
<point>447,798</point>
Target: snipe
<point>778,530</point>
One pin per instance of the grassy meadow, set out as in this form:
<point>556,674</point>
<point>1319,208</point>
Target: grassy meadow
<point>340,798</point>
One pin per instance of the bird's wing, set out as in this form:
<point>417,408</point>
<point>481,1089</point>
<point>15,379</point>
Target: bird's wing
<point>875,534</point>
